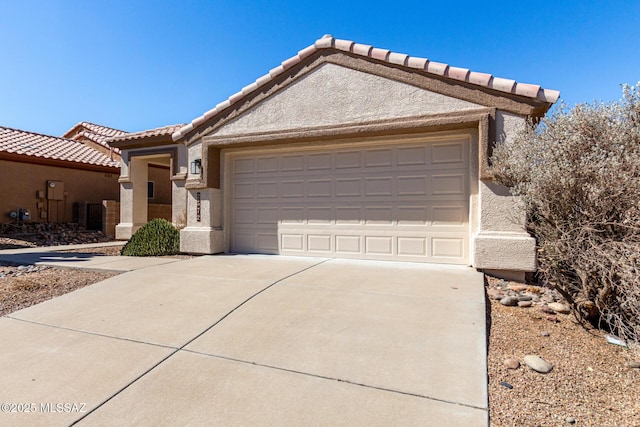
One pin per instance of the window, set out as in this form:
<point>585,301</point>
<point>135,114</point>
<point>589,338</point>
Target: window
<point>150,189</point>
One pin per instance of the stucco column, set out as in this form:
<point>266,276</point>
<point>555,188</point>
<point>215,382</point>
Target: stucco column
<point>178,201</point>
<point>133,198</point>
<point>203,233</point>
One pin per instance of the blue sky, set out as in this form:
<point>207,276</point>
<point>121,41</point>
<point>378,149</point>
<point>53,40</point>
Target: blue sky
<point>135,65</point>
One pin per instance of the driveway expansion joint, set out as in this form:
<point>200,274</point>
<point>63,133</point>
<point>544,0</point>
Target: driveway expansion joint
<point>64,328</point>
<point>341,380</point>
<point>176,350</point>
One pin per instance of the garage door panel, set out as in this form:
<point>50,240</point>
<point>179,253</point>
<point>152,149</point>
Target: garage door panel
<point>292,242</point>
<point>291,215</point>
<point>319,243</point>
<point>378,157</point>
<point>448,153</point>
<point>320,215</point>
<point>319,188</point>
<point>292,163</point>
<point>348,187</point>
<point>412,246</point>
<point>412,185</point>
<point>412,156</point>
<point>348,160</point>
<point>320,161</point>
<point>447,247</point>
<point>346,244</point>
<point>406,202</point>
<point>267,190</point>
<point>266,242</point>
<point>289,189</point>
<point>448,184</point>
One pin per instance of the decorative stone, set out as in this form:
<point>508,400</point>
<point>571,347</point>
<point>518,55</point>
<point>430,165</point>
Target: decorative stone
<point>525,304</point>
<point>518,288</point>
<point>547,310</point>
<point>525,298</point>
<point>538,364</point>
<point>507,385</point>
<point>509,301</point>
<point>570,420</point>
<point>511,363</point>
<point>559,308</point>
<point>545,334</point>
<point>634,365</point>
<point>553,319</point>
<point>495,294</point>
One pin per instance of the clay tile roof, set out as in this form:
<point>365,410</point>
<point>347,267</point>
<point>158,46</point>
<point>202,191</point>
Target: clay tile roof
<point>93,132</point>
<point>161,131</point>
<point>423,64</point>
<point>51,147</point>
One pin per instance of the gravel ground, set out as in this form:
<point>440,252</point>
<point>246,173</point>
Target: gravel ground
<point>591,383</point>
<point>23,286</point>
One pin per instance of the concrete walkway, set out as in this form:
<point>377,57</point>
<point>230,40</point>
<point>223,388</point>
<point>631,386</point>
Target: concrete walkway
<point>254,340</point>
<point>71,256</point>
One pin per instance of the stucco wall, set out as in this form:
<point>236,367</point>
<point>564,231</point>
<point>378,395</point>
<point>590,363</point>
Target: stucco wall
<point>333,94</point>
<point>21,181</point>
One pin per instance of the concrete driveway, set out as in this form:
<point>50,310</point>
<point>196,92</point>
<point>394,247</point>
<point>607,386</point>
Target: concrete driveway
<point>253,340</point>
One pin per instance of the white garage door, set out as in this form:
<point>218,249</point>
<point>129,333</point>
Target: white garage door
<point>406,201</point>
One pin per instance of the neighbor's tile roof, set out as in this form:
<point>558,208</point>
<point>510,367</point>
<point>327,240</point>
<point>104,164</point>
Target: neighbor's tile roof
<point>161,131</point>
<point>103,131</point>
<point>51,147</point>
<point>423,64</point>
<point>96,133</point>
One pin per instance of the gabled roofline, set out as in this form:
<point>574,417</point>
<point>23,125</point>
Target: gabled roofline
<point>88,125</point>
<point>484,81</point>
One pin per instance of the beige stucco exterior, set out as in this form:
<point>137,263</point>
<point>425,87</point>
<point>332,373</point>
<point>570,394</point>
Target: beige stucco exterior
<point>332,102</point>
<point>138,167</point>
<point>25,186</point>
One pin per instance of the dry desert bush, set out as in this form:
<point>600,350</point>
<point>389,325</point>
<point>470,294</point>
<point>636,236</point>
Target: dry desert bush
<point>578,173</point>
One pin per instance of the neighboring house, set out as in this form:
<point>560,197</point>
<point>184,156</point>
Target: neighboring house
<point>54,179</point>
<point>347,151</point>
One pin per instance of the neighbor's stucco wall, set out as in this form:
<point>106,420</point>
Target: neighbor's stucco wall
<point>332,95</point>
<point>21,181</point>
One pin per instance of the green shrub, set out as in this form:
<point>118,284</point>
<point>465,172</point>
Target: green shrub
<point>156,238</point>
<point>578,174</point>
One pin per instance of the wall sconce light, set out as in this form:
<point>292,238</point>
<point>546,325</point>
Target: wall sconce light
<point>196,167</point>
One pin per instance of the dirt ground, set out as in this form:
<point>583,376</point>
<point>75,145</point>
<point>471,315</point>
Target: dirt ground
<point>591,384</point>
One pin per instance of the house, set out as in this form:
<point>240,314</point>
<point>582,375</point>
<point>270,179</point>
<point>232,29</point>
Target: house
<point>53,179</point>
<point>349,151</point>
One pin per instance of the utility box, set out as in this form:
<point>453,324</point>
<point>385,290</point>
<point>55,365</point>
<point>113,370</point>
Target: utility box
<point>24,215</point>
<point>55,190</point>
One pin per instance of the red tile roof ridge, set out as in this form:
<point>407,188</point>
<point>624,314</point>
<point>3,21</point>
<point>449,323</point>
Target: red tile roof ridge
<point>101,130</point>
<point>329,42</point>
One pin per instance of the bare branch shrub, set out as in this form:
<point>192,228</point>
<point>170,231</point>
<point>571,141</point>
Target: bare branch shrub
<point>578,173</point>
